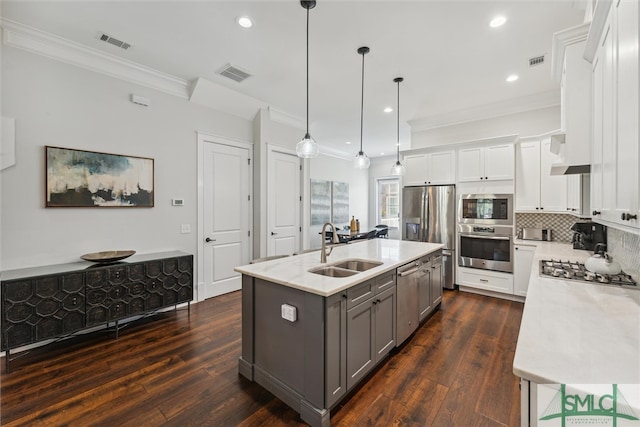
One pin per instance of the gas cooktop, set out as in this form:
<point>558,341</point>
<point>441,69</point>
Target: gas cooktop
<point>572,270</point>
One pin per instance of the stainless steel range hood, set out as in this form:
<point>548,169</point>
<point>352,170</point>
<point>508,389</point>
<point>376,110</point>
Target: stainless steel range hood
<point>567,169</point>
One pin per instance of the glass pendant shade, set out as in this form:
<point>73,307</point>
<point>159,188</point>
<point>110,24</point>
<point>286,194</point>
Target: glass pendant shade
<point>307,148</point>
<point>361,161</point>
<point>397,169</point>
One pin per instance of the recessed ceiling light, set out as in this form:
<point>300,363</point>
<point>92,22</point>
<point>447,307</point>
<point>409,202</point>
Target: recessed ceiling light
<point>245,22</point>
<point>348,142</point>
<point>382,154</point>
<point>497,21</point>
<point>512,78</point>
<point>388,110</point>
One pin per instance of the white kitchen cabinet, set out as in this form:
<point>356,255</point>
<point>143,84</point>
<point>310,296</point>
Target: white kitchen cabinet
<point>490,163</point>
<point>574,74</point>
<point>616,152</point>
<point>536,189</point>
<point>494,281</point>
<point>522,265</point>
<point>430,168</point>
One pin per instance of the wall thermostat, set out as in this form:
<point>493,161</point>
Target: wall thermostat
<point>177,202</point>
<point>289,312</point>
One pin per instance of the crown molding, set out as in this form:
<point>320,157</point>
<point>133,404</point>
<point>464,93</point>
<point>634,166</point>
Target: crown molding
<point>51,46</point>
<point>284,118</point>
<point>488,111</point>
<point>563,39</point>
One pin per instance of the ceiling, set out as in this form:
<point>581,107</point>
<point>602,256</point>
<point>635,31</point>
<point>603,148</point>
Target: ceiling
<point>450,58</point>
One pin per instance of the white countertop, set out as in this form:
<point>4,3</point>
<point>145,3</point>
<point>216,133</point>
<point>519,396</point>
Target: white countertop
<point>294,272</point>
<point>577,332</point>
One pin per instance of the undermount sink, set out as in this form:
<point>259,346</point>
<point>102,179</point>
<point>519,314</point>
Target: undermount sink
<point>345,268</point>
<point>333,271</point>
<point>357,264</point>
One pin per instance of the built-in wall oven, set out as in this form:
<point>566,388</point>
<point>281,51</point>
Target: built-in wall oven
<point>486,247</point>
<point>485,231</point>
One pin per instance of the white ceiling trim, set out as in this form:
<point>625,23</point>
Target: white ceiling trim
<point>488,111</point>
<point>284,118</point>
<point>51,46</point>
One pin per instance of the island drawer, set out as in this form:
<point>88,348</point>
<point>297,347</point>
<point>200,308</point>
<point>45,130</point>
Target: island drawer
<point>385,281</point>
<point>360,293</point>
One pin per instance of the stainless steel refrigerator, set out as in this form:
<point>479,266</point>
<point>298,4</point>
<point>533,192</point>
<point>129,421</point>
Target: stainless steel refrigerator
<point>429,215</point>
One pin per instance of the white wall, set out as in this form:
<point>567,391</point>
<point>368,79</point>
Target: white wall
<point>61,105</point>
<point>533,122</point>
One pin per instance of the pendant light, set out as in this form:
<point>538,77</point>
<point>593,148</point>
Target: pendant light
<point>307,148</point>
<point>398,169</point>
<point>362,161</point>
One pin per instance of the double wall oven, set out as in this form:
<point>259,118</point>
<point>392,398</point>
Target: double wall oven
<point>485,231</point>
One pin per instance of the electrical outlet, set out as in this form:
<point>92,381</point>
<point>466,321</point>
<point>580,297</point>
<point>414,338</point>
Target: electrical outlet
<point>185,228</point>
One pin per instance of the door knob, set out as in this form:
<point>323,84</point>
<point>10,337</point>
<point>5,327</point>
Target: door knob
<point>274,234</point>
<point>596,213</point>
<point>209,240</point>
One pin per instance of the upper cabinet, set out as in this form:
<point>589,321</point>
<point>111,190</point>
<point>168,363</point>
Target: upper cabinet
<point>574,74</point>
<point>615,189</point>
<point>430,168</point>
<point>536,189</point>
<point>490,163</point>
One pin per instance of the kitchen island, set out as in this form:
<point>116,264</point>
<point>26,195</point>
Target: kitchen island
<point>575,332</point>
<point>310,338</point>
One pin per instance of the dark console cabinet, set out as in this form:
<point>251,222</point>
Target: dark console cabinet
<point>49,302</point>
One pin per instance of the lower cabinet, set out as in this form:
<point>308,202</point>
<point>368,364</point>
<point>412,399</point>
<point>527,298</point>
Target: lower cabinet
<point>522,265</point>
<point>370,331</point>
<point>485,279</point>
<point>430,287</point>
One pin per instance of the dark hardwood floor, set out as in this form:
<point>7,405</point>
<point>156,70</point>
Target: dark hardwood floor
<point>176,370</point>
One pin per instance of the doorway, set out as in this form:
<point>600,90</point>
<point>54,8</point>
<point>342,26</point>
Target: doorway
<point>224,215</point>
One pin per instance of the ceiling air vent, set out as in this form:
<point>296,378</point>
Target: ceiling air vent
<point>114,41</point>
<point>536,60</point>
<point>234,73</point>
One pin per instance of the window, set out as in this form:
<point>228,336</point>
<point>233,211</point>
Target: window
<point>388,202</point>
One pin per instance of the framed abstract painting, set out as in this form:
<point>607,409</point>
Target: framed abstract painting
<point>78,178</point>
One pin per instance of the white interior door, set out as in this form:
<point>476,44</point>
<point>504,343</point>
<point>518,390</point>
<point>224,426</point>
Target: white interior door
<point>226,217</point>
<point>283,203</point>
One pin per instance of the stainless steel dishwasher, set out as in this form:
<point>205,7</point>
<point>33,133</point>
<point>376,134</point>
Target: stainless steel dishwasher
<point>408,313</point>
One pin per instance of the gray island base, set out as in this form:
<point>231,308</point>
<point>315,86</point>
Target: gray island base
<point>309,338</point>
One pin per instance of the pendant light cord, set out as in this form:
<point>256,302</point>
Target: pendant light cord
<point>362,104</point>
<point>307,72</point>
<point>398,127</point>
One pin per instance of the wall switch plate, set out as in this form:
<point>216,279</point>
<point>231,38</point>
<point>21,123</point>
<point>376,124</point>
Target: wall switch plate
<point>177,202</point>
<point>289,312</point>
<point>185,228</point>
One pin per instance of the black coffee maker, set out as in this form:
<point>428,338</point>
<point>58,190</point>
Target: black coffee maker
<point>587,234</point>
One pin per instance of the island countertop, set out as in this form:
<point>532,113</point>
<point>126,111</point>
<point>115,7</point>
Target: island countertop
<point>576,332</point>
<point>294,272</point>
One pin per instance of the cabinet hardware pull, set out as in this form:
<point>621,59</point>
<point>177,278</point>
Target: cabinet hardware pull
<point>484,280</point>
<point>274,234</point>
<point>596,213</point>
<point>628,217</point>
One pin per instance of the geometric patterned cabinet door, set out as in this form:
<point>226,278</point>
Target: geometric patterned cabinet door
<point>55,301</point>
<point>42,308</point>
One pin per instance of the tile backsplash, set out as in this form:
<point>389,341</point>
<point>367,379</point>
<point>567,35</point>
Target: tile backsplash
<point>625,248</point>
<point>560,224</point>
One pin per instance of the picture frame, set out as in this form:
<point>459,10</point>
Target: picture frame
<point>81,178</point>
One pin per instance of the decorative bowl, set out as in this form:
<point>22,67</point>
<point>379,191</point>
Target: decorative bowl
<point>107,256</point>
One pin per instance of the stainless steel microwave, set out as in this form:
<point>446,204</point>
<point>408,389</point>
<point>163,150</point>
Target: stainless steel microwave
<point>486,209</point>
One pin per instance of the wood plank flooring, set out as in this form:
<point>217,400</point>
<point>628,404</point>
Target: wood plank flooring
<point>180,370</point>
